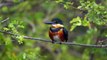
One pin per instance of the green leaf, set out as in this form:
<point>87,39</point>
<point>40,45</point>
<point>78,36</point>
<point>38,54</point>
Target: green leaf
<point>59,1</point>
<point>65,6</point>
<point>72,28</point>
<point>75,22</point>
<point>20,39</point>
<point>24,55</point>
<point>85,23</point>
<point>5,29</point>
<point>5,9</point>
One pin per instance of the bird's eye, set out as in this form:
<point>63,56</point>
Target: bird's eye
<point>55,21</point>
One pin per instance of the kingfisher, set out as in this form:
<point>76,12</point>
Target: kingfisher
<point>57,31</point>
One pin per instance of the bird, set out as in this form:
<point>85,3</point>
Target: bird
<point>57,31</point>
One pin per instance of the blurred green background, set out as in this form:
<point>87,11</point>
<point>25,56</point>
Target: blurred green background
<point>86,21</point>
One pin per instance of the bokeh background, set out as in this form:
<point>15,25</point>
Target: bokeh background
<point>86,21</point>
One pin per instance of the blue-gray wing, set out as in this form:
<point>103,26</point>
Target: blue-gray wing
<point>65,34</point>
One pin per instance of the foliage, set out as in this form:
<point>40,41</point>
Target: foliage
<point>87,20</point>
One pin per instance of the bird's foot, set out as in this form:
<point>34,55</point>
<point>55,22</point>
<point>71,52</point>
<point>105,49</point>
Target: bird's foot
<point>60,42</point>
<point>65,40</point>
<point>53,42</point>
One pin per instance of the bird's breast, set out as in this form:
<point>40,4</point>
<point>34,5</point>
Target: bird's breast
<point>56,38</point>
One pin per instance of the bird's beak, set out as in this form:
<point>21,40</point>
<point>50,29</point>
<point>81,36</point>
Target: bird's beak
<point>49,22</point>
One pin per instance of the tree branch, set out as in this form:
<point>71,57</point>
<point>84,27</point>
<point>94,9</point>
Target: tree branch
<point>66,43</point>
<point>4,20</point>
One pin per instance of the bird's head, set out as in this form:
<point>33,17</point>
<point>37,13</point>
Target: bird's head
<point>55,23</point>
